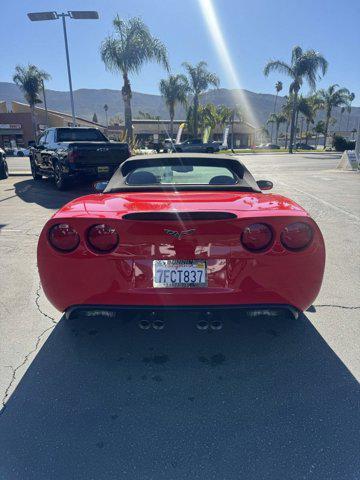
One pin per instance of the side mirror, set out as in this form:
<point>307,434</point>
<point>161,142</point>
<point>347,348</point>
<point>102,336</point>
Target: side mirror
<point>265,184</point>
<point>99,187</point>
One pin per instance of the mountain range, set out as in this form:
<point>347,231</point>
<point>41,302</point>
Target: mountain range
<point>90,101</point>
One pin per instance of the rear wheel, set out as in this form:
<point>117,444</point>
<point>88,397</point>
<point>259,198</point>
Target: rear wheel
<point>4,171</point>
<point>61,181</point>
<point>34,171</point>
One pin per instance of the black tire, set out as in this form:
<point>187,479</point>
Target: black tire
<point>34,172</point>
<point>4,170</point>
<point>20,154</point>
<point>61,181</point>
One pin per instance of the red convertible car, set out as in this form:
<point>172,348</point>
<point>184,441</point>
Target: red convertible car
<point>181,230</point>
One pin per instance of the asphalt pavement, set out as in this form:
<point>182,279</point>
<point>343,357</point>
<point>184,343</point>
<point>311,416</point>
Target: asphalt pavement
<point>264,398</point>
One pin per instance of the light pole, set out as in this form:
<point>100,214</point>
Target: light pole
<point>76,15</point>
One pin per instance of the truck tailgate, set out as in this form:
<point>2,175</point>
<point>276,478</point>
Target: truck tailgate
<point>98,153</point>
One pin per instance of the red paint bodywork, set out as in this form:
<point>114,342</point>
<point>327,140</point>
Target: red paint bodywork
<point>235,275</point>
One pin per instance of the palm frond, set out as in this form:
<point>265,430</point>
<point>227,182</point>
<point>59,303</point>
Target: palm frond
<point>278,66</point>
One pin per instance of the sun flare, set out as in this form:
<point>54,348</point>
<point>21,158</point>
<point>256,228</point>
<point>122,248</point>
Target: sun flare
<point>215,31</point>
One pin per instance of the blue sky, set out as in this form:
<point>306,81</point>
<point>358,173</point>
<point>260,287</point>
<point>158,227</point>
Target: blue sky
<point>255,31</point>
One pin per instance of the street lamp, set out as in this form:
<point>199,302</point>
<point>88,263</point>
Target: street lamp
<point>76,15</point>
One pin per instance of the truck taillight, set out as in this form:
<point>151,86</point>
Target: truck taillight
<point>73,155</point>
<point>63,237</point>
<point>296,236</point>
<point>256,237</point>
<point>103,238</point>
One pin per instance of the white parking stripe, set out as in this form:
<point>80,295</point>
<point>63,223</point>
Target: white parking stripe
<point>321,201</point>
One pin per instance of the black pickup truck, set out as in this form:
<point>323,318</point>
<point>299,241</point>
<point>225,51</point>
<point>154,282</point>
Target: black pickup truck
<point>69,152</point>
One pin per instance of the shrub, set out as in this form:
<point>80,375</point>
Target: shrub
<point>341,144</point>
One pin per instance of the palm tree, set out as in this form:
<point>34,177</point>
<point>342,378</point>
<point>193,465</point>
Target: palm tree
<point>224,115</point>
<point>351,99</point>
<point>277,119</point>
<point>319,128</point>
<point>126,52</point>
<point>106,108</point>
<point>190,119</point>
<point>304,65</point>
<point>200,79</point>
<point>174,90</point>
<point>211,117</point>
<point>313,104</point>
<point>330,98</point>
<point>278,88</point>
<point>286,110</point>
<point>30,81</point>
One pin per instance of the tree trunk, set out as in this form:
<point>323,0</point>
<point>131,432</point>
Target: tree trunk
<point>307,132</point>
<point>316,140</point>
<point>172,115</point>
<point>328,115</point>
<point>286,134</point>
<point>277,133</point>
<point>126,94</point>
<point>196,115</point>
<point>33,121</point>
<point>272,124</point>
<point>292,125</point>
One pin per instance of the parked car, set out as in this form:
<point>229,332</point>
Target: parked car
<point>4,170</point>
<point>196,146</point>
<point>271,146</point>
<point>304,146</point>
<point>168,145</point>
<point>67,153</point>
<point>236,246</point>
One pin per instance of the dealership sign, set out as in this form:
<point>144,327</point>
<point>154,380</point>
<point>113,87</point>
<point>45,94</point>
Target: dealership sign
<point>10,126</point>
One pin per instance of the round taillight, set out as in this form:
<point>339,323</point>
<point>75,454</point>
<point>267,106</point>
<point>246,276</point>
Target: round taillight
<point>256,237</point>
<point>103,238</point>
<point>296,236</point>
<point>63,237</point>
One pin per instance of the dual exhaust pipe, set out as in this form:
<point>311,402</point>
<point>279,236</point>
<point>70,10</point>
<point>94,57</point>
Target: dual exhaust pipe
<point>155,324</point>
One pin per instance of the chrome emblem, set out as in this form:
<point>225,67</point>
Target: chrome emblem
<point>179,235</point>
<point>102,149</point>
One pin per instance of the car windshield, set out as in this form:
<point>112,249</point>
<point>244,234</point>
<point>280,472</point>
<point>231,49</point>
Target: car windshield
<point>181,174</point>
<point>80,135</point>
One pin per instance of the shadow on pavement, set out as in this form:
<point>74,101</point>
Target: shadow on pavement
<point>44,192</point>
<point>265,398</point>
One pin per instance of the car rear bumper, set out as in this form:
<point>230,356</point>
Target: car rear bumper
<point>77,311</point>
<point>94,171</point>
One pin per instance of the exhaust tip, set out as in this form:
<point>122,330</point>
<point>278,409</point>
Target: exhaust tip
<point>216,325</point>
<point>202,325</point>
<point>144,324</point>
<point>158,324</point>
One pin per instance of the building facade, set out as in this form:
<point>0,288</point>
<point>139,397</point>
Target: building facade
<point>16,128</point>
<point>148,131</point>
<point>16,125</point>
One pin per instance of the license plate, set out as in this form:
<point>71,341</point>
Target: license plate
<point>179,273</point>
<point>103,169</point>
